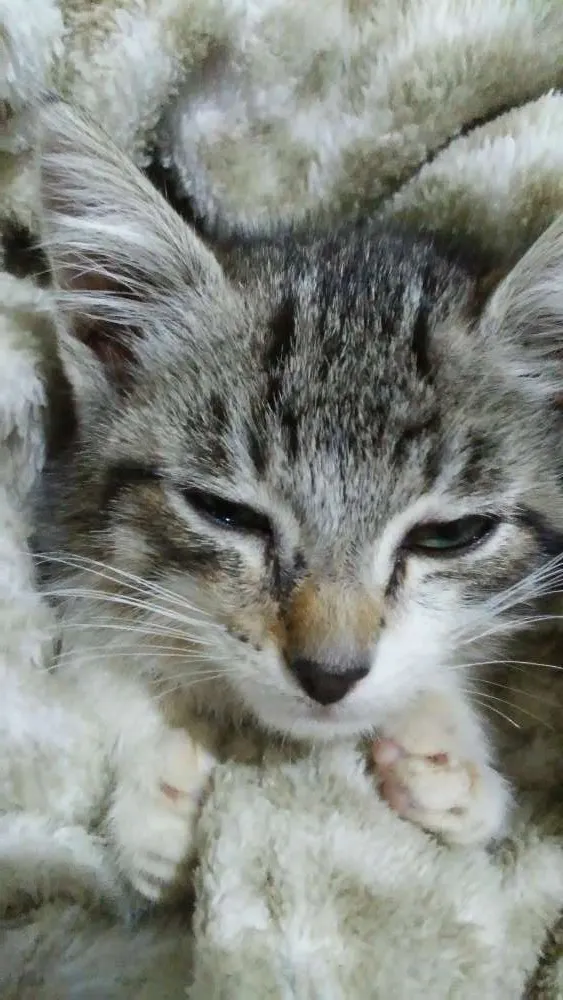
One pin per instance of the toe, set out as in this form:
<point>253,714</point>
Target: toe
<point>386,753</point>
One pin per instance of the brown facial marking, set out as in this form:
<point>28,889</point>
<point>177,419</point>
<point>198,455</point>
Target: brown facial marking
<point>276,628</point>
<point>325,617</point>
<point>256,621</point>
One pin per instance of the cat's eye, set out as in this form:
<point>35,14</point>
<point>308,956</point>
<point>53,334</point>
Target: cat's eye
<point>443,538</point>
<point>228,514</point>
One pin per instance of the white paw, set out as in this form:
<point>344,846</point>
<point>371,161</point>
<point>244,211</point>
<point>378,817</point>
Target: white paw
<point>428,775</point>
<point>152,821</point>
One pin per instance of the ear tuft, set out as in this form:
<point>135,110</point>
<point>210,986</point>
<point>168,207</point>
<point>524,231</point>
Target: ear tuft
<point>526,313</point>
<point>117,249</point>
<point>103,218</point>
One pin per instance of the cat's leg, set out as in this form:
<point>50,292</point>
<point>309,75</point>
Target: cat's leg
<point>160,774</point>
<point>160,782</point>
<point>433,766</point>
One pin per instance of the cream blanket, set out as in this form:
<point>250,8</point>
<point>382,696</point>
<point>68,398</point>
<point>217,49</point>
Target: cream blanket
<point>445,113</point>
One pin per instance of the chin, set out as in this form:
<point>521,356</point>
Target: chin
<point>302,719</point>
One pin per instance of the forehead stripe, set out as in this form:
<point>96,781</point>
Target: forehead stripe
<point>122,475</point>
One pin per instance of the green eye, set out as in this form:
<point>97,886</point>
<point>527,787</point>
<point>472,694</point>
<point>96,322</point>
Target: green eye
<point>437,538</point>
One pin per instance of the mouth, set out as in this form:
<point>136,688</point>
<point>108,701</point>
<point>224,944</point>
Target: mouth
<point>287,710</point>
<point>303,718</point>
<point>320,713</point>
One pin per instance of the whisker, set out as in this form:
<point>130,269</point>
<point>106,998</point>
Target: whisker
<point>517,623</point>
<point>79,660</point>
<point>528,694</point>
<point>520,666</point>
<point>102,648</point>
<point>543,582</point>
<point>124,601</point>
<point>180,688</point>
<point>211,671</point>
<point>517,708</point>
<point>113,626</point>
<point>114,574</point>
<point>527,663</point>
<point>504,663</point>
<point>533,584</point>
<point>491,708</point>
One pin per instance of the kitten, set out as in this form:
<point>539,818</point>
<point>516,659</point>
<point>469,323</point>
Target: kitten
<point>311,477</point>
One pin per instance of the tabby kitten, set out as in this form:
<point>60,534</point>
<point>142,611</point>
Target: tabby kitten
<point>316,477</point>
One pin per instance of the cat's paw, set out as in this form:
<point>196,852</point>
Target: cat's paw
<point>152,821</point>
<point>428,775</point>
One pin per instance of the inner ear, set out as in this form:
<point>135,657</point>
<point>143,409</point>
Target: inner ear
<point>126,266</point>
<point>113,347</point>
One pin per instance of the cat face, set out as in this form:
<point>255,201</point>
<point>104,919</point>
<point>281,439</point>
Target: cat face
<point>327,463</point>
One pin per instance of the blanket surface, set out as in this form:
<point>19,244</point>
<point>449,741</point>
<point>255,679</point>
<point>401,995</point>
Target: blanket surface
<point>445,114</point>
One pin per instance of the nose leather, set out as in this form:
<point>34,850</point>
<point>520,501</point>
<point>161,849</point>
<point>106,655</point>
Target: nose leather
<point>324,685</point>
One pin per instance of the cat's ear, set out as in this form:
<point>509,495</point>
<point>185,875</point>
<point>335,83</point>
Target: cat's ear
<point>121,257</point>
<point>525,313</point>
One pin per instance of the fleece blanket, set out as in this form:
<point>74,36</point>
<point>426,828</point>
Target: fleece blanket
<point>445,114</point>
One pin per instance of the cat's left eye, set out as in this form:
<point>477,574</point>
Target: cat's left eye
<point>228,514</point>
<point>444,538</point>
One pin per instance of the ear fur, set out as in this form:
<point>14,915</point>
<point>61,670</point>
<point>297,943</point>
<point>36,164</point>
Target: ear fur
<point>119,253</point>
<point>526,313</point>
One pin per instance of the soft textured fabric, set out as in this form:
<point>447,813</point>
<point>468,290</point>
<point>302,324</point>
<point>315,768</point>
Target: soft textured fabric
<point>444,114</point>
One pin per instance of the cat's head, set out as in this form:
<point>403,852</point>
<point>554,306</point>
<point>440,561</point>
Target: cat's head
<point>331,455</point>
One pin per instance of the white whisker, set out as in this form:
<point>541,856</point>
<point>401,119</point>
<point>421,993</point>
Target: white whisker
<point>490,708</point>
<point>181,687</point>
<point>124,601</point>
<point>114,574</point>
<point>517,708</point>
<point>528,694</point>
<point>520,664</point>
<point>113,626</point>
<point>515,624</point>
<point>117,654</point>
<point>102,649</point>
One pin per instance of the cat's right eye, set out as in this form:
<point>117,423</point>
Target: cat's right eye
<point>228,513</point>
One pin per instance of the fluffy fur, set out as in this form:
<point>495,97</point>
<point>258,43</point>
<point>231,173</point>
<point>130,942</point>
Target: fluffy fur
<point>259,446</point>
<point>501,183</point>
